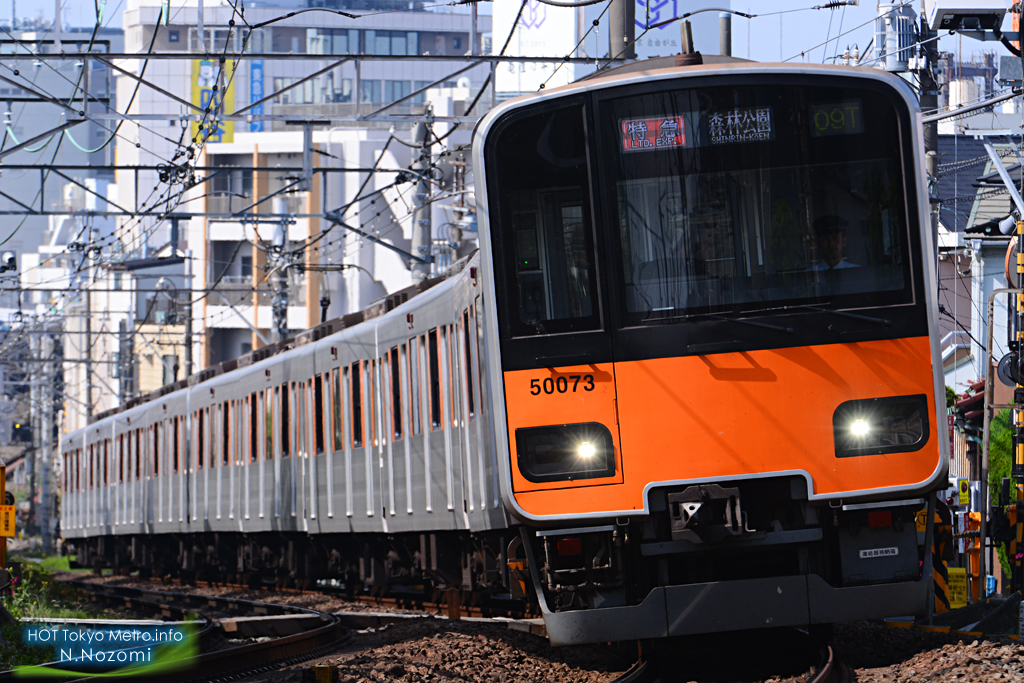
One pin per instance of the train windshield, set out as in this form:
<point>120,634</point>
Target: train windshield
<point>732,199</point>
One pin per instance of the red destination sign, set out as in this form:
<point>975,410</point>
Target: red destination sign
<point>661,132</point>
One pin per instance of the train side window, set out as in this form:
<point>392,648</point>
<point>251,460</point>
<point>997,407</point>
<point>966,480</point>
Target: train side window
<point>545,234</point>
<point>478,335</point>
<point>434,378</point>
<point>200,439</point>
<point>339,424</point>
<point>120,458</point>
<point>268,425</point>
<point>467,370</point>
<point>286,432</point>
<point>451,352</point>
<point>177,444</point>
<point>318,405</point>
<point>396,393</point>
<point>373,392</point>
<point>156,449</point>
<point>415,412</point>
<point>357,404</point>
<point>138,454</point>
<point>226,436</point>
<point>254,427</point>
<point>300,419</point>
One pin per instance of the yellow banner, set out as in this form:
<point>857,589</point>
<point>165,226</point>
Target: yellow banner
<point>6,520</point>
<point>957,587</point>
<point>205,77</point>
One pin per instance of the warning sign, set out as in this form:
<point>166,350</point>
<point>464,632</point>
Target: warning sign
<point>6,520</point>
<point>957,587</point>
<point>964,487</point>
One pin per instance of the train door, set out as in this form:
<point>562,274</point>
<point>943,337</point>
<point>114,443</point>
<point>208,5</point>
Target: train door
<point>459,422</point>
<point>379,440</point>
<point>158,472</point>
<point>403,390</point>
<point>454,465</point>
<point>388,431</point>
<point>303,475</point>
<point>235,450</point>
<point>289,446</point>
<point>314,448</point>
<point>264,445</point>
<point>217,412</point>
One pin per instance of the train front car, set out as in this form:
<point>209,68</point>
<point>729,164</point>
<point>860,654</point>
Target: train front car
<point>715,314</point>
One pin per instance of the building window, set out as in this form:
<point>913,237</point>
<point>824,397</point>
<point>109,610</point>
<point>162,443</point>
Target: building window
<point>391,42</point>
<point>369,91</point>
<point>246,348</point>
<point>457,43</point>
<point>170,370</point>
<point>331,41</point>
<point>421,98</point>
<point>215,40</point>
<point>247,266</point>
<point>173,36</point>
<point>283,97</point>
<point>339,92</point>
<point>396,90</point>
<point>117,280</point>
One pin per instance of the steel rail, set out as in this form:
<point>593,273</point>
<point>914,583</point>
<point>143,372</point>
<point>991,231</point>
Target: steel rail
<point>654,670</point>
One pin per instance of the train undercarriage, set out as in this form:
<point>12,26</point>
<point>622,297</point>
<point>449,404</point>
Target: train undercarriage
<point>709,557</point>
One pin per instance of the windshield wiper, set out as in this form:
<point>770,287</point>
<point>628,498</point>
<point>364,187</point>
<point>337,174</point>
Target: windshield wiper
<point>845,314</point>
<point>767,326</point>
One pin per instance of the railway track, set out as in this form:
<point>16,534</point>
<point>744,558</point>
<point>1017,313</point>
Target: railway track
<point>665,666</point>
<point>659,664</point>
<point>217,662</point>
<point>398,601</point>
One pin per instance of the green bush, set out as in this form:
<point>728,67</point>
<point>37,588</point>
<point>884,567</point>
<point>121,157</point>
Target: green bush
<point>1000,449</point>
<point>36,596</point>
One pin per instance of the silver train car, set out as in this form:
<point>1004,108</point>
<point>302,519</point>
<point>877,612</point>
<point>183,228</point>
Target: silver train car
<point>690,383</point>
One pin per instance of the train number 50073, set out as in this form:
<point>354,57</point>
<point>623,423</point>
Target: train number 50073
<point>561,384</point>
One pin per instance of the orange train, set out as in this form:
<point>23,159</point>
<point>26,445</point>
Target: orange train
<point>715,328</point>
<point>690,382</point>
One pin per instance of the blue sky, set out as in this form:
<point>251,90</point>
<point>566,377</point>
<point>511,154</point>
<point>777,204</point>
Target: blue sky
<point>783,29</point>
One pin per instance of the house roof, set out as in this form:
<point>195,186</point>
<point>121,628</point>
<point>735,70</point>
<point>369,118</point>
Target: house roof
<point>964,169</point>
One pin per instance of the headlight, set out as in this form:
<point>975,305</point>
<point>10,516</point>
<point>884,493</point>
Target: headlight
<point>881,425</point>
<point>565,452</point>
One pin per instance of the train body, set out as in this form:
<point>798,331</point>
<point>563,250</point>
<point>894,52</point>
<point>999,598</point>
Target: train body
<point>690,382</point>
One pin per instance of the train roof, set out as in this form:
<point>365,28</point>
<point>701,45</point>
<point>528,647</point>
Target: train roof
<point>313,334</point>
<point>665,67</point>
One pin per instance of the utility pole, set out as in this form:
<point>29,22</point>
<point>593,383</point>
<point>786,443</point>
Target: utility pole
<point>45,461</point>
<point>87,349</point>
<point>422,230</point>
<point>930,103</point>
<point>279,305</point>
<point>188,314</point>
<point>35,412</point>
<point>622,29</point>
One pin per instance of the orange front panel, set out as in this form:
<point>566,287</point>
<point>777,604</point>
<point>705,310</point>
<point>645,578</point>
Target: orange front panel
<point>735,414</point>
<point>535,398</point>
